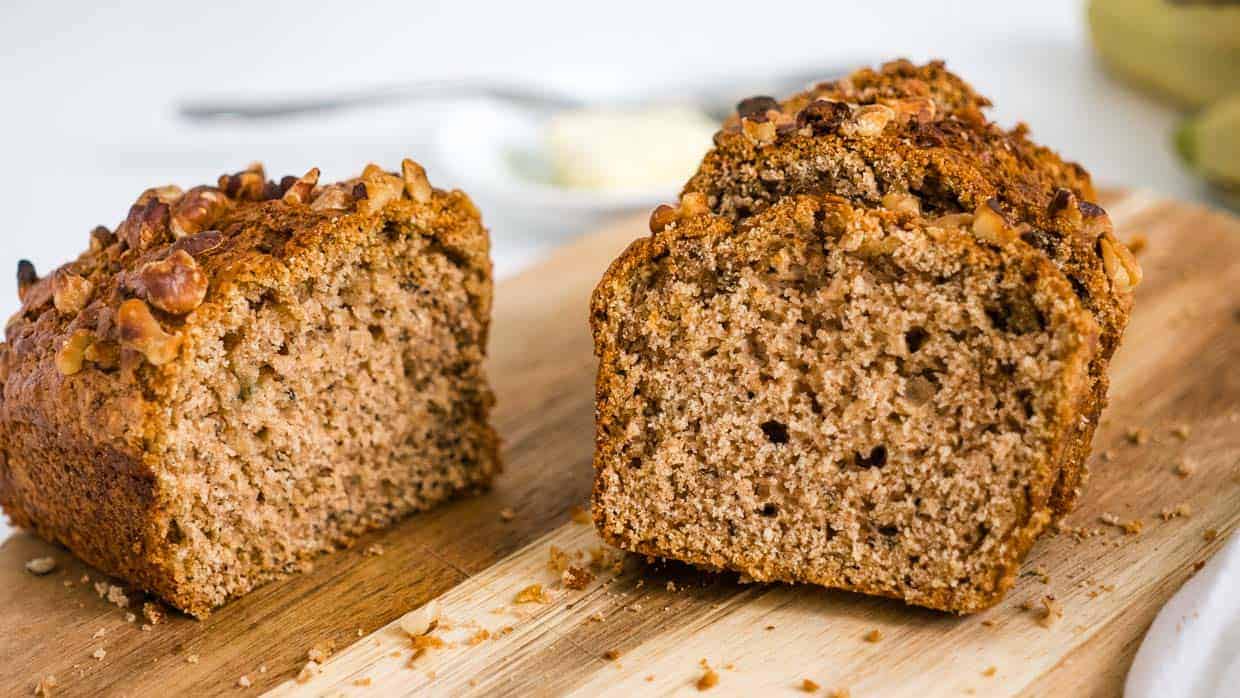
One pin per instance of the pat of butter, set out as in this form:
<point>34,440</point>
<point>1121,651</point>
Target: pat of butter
<point>628,150</point>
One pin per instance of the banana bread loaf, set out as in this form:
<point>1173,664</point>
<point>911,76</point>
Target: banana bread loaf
<point>241,377</point>
<point>867,350</point>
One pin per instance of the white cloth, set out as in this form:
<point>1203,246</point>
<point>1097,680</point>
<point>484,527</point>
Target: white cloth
<point>1192,650</point>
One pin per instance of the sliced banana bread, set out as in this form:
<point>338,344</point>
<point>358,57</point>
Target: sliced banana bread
<point>241,377</point>
<point>867,350</point>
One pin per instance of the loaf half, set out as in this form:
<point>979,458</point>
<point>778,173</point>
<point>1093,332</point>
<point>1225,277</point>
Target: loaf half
<point>241,377</point>
<point>866,350</point>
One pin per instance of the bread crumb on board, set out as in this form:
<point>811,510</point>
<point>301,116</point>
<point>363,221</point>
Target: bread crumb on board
<point>421,620</point>
<point>873,636</point>
<point>1185,467</point>
<point>308,672</point>
<point>244,681</point>
<point>1050,612</point>
<point>533,593</point>
<point>579,515</point>
<point>808,685</point>
<point>708,680</point>
<point>40,566</point>
<point>1181,510</point>
<point>99,653</point>
<point>46,685</point>
<point>507,514</point>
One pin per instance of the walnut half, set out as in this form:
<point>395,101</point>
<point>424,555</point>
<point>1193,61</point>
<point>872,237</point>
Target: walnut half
<point>175,284</point>
<point>139,330</point>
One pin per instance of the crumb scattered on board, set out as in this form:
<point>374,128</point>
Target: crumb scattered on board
<point>533,593</point>
<point>808,686</point>
<point>41,565</point>
<point>873,636</point>
<point>709,678</point>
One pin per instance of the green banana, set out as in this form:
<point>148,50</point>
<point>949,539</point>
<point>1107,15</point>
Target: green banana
<point>1210,142</point>
<point>1186,50</point>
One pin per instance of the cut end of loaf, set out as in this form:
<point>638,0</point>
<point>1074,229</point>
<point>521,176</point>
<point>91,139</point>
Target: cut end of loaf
<point>868,400</point>
<point>243,377</point>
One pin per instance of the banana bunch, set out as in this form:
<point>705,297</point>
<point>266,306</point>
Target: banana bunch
<point>1189,52</point>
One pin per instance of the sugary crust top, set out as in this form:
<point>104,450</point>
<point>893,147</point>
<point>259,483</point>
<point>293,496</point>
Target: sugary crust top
<point>98,341</point>
<point>919,131</point>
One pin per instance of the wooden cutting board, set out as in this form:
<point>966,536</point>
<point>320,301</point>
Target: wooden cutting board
<point>1175,379</point>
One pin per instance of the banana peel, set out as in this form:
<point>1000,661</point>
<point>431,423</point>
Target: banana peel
<point>1188,51</point>
<point>1210,143</point>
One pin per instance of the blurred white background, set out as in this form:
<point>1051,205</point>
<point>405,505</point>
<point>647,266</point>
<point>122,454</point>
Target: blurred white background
<point>89,93</point>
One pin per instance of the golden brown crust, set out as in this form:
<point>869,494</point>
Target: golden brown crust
<point>919,130</point>
<point>826,216</point>
<point>86,372</point>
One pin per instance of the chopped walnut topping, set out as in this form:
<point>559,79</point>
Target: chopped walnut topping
<point>249,184</point>
<point>27,277</point>
<point>40,565</point>
<point>333,198</point>
<point>72,352</point>
<point>756,108</point>
<point>870,120</point>
<point>916,109</point>
<point>103,353</point>
<point>175,284</point>
<point>990,225</point>
<point>417,186</point>
<point>146,225</point>
<point>825,116</point>
<point>198,210</point>
<point>532,594</point>
<point>300,190</point>
<point>662,216</point>
<point>1121,267</point>
<point>140,330</point>
<point>902,202</point>
<point>377,189</point>
<point>70,292</point>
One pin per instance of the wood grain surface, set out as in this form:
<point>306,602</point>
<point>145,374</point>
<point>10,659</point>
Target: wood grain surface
<point>638,628</point>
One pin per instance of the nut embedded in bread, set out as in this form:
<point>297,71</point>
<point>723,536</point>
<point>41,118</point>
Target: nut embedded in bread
<point>242,377</point>
<point>867,350</point>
